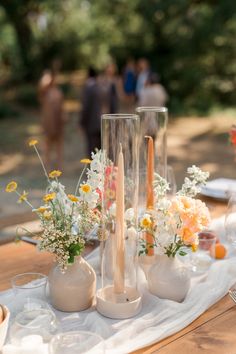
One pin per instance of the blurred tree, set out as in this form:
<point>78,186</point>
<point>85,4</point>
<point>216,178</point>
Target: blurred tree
<point>17,13</point>
<point>190,43</point>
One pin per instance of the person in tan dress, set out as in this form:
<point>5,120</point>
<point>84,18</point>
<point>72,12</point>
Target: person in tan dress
<point>51,101</point>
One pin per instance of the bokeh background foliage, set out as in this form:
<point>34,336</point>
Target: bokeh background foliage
<point>190,43</point>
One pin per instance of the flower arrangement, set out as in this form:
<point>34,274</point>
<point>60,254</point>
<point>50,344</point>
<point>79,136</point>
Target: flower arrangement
<point>175,223</point>
<point>67,219</point>
<point>232,135</point>
<point>232,139</point>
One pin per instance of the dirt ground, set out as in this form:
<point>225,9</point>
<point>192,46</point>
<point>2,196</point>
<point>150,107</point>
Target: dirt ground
<point>191,140</point>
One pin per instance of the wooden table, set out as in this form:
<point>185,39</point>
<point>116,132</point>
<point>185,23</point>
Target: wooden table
<point>214,332</point>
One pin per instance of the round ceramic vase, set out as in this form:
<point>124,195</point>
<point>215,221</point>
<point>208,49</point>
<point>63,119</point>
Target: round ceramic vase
<point>73,289</point>
<point>168,278</point>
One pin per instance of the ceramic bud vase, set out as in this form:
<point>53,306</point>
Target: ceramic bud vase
<point>168,278</point>
<point>73,289</point>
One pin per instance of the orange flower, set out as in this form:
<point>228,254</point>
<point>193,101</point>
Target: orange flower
<point>232,134</point>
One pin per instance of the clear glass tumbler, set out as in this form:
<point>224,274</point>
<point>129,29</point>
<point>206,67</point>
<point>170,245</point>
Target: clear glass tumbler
<point>202,259</point>
<point>77,342</point>
<point>41,323</point>
<point>30,291</point>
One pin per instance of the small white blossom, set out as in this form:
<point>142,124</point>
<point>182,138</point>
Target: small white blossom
<point>129,214</point>
<point>112,210</point>
<point>192,184</point>
<point>160,186</point>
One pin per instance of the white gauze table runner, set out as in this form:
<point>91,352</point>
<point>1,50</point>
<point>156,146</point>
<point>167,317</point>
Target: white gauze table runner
<point>159,318</point>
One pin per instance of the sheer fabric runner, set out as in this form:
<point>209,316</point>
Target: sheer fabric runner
<point>158,318</point>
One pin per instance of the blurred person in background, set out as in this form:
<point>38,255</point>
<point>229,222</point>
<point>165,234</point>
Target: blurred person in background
<point>108,85</point>
<point>129,81</point>
<point>52,120</point>
<point>91,111</point>
<point>153,93</point>
<point>143,69</point>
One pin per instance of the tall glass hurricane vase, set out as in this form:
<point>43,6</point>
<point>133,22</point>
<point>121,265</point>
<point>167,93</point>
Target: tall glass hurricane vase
<point>118,297</point>
<point>153,127</point>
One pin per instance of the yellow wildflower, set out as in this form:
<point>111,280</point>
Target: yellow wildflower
<point>55,173</point>
<point>47,215</point>
<point>72,197</point>
<point>194,247</point>
<point>146,222</point>
<point>49,197</point>
<point>110,193</point>
<point>41,209</point>
<point>11,187</point>
<point>85,161</point>
<point>23,197</point>
<point>85,188</point>
<point>33,142</point>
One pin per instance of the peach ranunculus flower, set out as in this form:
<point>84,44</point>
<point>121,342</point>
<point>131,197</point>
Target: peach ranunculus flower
<point>194,216</point>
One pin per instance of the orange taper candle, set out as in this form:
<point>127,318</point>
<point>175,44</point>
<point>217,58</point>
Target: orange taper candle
<point>150,192</point>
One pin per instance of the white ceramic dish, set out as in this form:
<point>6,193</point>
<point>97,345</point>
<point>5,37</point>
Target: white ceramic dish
<point>220,188</point>
<point>4,326</point>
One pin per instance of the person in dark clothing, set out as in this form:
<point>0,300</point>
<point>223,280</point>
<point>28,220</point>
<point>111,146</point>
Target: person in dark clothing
<point>91,111</point>
<point>108,89</point>
<point>129,79</point>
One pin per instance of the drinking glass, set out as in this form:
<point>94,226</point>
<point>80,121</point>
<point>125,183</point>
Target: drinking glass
<point>41,323</point>
<point>30,291</point>
<point>201,260</point>
<point>77,342</point>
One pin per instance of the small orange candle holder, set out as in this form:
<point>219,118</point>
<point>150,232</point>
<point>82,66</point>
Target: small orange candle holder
<point>118,296</point>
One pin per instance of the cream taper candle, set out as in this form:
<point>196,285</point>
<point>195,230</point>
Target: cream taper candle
<point>119,271</point>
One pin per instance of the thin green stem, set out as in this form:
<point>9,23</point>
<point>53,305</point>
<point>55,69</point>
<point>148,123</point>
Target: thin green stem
<point>78,183</point>
<point>24,229</point>
<point>26,201</point>
<point>42,164</point>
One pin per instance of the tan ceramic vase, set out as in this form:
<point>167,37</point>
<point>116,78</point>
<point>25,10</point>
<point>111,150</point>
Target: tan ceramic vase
<point>168,278</point>
<point>74,289</point>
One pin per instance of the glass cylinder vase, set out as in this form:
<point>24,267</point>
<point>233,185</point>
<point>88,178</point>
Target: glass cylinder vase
<point>152,149</point>
<point>118,297</point>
